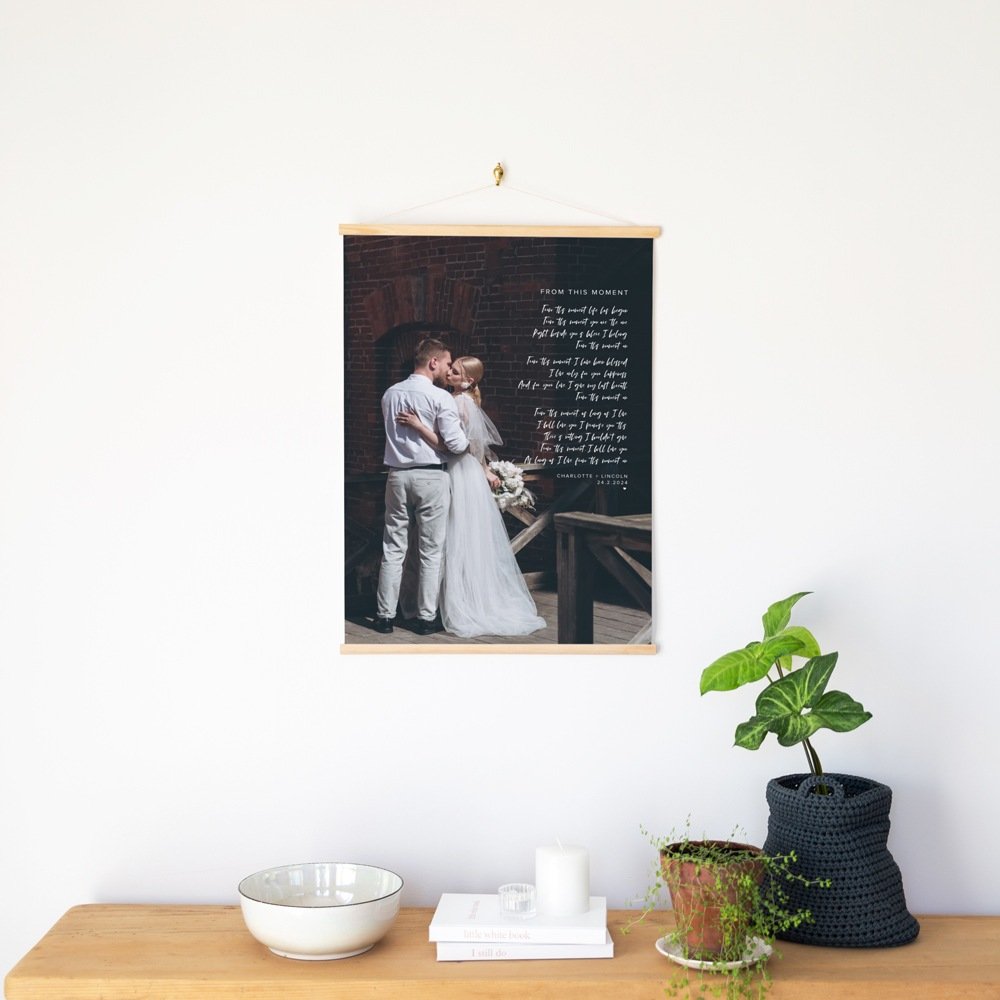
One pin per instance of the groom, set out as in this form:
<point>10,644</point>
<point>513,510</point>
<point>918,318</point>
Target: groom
<point>418,490</point>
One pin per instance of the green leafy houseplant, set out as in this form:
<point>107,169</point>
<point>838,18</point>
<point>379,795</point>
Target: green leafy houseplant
<point>795,703</point>
<point>837,824</point>
<point>729,903</point>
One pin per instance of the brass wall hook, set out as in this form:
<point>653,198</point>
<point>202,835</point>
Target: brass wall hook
<point>498,174</point>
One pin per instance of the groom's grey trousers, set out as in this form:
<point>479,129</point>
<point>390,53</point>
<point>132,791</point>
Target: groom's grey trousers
<point>417,498</point>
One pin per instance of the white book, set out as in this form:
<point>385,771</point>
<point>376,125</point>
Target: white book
<point>468,951</point>
<point>476,918</point>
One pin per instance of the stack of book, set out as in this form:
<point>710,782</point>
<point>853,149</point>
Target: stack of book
<point>469,927</point>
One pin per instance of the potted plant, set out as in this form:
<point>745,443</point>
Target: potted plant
<point>713,885</point>
<point>835,823</point>
<point>729,901</point>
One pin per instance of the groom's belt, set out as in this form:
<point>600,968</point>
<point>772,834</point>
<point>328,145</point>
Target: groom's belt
<point>439,466</point>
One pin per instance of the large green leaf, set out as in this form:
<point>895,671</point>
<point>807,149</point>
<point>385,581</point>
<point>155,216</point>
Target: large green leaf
<point>782,644</point>
<point>797,690</point>
<point>744,666</point>
<point>834,710</point>
<point>779,614</point>
<point>791,729</point>
<point>840,712</point>
<point>750,734</point>
<point>781,707</point>
<point>732,670</point>
<point>809,647</point>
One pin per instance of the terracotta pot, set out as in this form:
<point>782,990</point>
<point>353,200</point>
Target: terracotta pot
<point>706,895</point>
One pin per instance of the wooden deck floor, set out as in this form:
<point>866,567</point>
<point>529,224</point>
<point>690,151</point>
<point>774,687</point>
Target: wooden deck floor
<point>613,624</point>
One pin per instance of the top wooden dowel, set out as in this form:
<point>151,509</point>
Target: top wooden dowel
<point>395,229</point>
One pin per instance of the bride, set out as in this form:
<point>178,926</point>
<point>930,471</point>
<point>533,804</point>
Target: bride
<point>482,589</point>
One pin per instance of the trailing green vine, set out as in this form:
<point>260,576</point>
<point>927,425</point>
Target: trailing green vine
<point>729,904</point>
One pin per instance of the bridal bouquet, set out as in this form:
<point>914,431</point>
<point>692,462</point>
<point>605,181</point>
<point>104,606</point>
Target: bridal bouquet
<point>511,492</point>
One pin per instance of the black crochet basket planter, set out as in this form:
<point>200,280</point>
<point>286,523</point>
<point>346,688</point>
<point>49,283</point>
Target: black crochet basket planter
<point>843,837</point>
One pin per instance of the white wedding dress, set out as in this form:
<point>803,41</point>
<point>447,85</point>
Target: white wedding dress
<point>482,589</point>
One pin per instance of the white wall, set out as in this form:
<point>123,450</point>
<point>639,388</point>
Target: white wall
<point>175,713</point>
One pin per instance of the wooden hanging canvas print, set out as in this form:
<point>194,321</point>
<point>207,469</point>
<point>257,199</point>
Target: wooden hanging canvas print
<point>497,400</point>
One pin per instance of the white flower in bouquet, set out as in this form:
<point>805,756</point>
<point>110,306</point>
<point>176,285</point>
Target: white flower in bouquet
<point>511,492</point>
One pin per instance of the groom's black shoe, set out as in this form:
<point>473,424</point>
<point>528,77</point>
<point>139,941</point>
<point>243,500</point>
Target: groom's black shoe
<point>383,625</point>
<point>423,627</point>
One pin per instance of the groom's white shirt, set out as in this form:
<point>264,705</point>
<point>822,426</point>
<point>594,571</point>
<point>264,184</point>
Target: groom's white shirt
<point>415,496</point>
<point>404,447</point>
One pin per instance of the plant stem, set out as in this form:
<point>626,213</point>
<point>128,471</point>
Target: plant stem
<point>811,756</point>
<point>814,763</point>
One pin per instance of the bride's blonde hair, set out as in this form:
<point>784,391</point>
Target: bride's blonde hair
<point>473,370</point>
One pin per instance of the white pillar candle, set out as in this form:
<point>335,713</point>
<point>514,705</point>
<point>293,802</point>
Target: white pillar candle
<point>562,880</point>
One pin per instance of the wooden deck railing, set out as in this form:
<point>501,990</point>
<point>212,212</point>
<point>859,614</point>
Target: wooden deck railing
<point>585,542</point>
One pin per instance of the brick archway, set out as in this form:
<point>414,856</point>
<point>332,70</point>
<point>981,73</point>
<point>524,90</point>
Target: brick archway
<point>408,308</point>
<point>429,299</point>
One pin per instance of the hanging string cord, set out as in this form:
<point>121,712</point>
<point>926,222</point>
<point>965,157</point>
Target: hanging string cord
<point>576,208</point>
<point>510,187</point>
<point>436,201</point>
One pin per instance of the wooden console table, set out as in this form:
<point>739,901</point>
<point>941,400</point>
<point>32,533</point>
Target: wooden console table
<point>114,952</point>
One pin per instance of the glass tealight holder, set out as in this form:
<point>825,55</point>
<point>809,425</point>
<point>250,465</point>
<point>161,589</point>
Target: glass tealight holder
<point>517,899</point>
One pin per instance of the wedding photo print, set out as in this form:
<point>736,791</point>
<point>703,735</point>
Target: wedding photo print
<point>497,431</point>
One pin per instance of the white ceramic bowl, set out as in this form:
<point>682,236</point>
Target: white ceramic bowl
<point>321,910</point>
